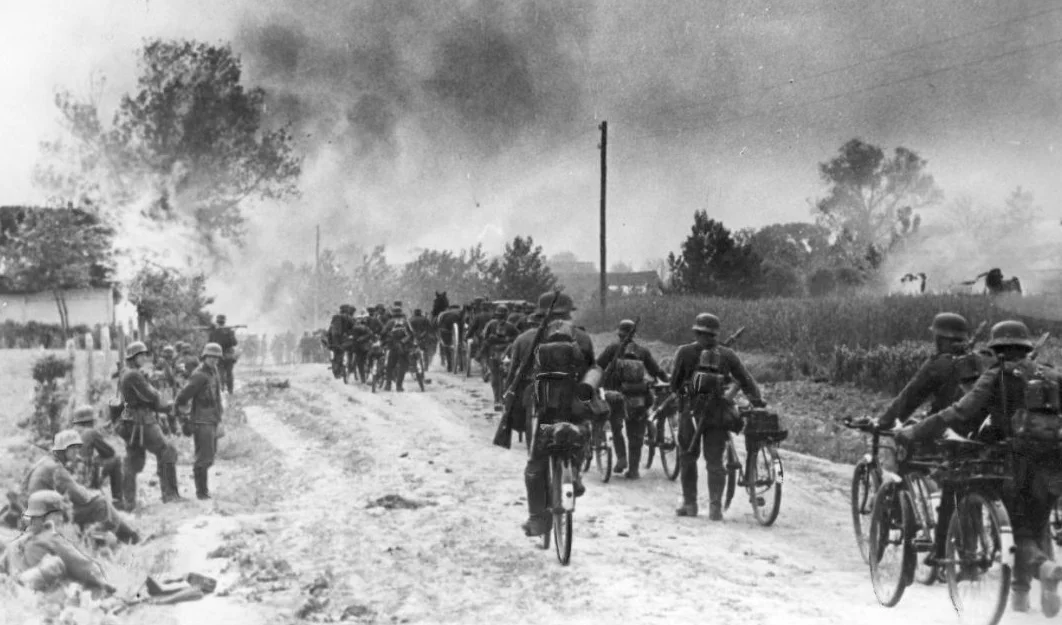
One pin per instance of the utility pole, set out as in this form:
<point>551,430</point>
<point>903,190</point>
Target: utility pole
<point>316,278</point>
<point>604,279</point>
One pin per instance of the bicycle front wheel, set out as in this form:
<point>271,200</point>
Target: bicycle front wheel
<point>764,476</point>
<point>669,447</point>
<point>979,559</point>
<point>866,480</point>
<point>891,553</point>
<point>925,518</point>
<point>733,472</point>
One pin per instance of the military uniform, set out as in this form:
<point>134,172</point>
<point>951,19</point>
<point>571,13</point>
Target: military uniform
<point>448,319</point>
<point>497,337</point>
<point>30,548</point>
<point>88,506</point>
<point>630,399</point>
<point>988,410</point>
<point>719,411</point>
<point>362,336</point>
<point>98,461</point>
<point>226,338</point>
<point>399,342</point>
<point>204,393</point>
<point>140,429</point>
<point>551,400</point>
<point>424,332</point>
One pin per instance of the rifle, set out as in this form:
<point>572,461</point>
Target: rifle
<point>1039,344</point>
<point>208,328</point>
<point>503,436</point>
<point>610,370</point>
<point>702,422</point>
<point>976,334</point>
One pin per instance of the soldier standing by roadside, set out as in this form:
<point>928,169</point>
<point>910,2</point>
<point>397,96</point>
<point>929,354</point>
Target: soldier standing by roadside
<point>226,338</point>
<point>98,458</point>
<point>187,364</point>
<point>203,391</point>
<point>703,369</point>
<point>630,398</point>
<point>140,430</point>
<point>498,335</point>
<point>398,340</point>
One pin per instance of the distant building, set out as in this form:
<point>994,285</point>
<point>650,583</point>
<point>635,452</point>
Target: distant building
<point>90,307</point>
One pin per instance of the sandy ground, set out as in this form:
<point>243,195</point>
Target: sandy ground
<point>298,536</point>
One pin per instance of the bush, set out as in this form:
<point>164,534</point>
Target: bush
<point>50,398</point>
<point>51,368</point>
<point>882,368</point>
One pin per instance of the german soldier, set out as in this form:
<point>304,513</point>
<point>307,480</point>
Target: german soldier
<point>53,473</point>
<point>1010,394</point>
<point>424,331</point>
<point>703,369</point>
<point>568,353</point>
<point>187,363</point>
<point>98,458</point>
<point>35,556</point>
<point>140,429</point>
<point>226,338</point>
<point>630,397</point>
<point>204,393</point>
<point>497,337</point>
<point>398,340</point>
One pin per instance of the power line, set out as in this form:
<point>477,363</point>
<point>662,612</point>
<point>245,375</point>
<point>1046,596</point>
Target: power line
<point>843,68</point>
<point>926,74</point>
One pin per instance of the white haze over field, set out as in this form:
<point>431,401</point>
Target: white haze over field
<point>442,125</point>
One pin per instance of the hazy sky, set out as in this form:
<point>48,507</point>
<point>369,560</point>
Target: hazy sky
<point>428,124</point>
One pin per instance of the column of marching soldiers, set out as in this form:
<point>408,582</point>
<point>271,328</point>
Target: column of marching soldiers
<point>997,392</point>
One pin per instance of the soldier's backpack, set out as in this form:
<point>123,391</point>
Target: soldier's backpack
<point>557,360</point>
<point>1040,416</point>
<point>708,379</point>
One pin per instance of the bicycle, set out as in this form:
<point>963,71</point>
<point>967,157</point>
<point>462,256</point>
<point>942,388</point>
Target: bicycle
<point>377,369</point>
<point>867,479</point>
<point>661,431</point>
<point>416,361</point>
<point>762,474</point>
<point>564,444</point>
<point>599,450</point>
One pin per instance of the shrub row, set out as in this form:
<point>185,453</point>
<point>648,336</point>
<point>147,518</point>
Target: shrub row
<point>14,335</point>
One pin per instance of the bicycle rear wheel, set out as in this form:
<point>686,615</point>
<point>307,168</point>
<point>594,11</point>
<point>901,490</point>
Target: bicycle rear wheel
<point>979,558</point>
<point>891,553</point>
<point>563,503</point>
<point>669,447</point>
<point>866,480</point>
<point>925,519</point>
<point>764,476</point>
<point>733,472</point>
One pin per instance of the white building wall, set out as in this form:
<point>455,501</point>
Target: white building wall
<point>85,306</point>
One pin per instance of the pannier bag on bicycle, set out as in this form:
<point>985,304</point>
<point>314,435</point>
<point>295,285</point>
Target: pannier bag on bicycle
<point>558,438</point>
<point>761,424</point>
<point>1040,419</point>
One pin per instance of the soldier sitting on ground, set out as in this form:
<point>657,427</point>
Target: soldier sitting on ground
<point>98,458</point>
<point>41,558</point>
<point>90,507</point>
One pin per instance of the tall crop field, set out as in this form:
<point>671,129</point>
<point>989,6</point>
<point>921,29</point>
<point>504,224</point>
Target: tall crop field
<point>819,325</point>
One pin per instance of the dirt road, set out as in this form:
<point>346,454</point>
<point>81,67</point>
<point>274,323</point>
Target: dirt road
<point>447,546</point>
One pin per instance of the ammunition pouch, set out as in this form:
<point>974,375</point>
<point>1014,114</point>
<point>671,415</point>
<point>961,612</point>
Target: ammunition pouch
<point>706,384</point>
<point>635,388</point>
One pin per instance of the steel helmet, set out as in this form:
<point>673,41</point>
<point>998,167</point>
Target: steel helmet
<point>397,312</point>
<point>564,303</point>
<point>501,312</point>
<point>625,327</point>
<point>707,323</point>
<point>1010,334</point>
<point>951,325</point>
<point>344,309</point>
<point>220,318</point>
<point>514,318</point>
<point>65,439</point>
<point>135,349</point>
<point>417,312</point>
<point>168,350</point>
<point>83,414</point>
<point>43,502</point>
<point>211,349</point>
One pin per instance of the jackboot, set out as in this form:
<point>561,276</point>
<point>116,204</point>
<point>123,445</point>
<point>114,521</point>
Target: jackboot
<point>688,477</point>
<point>128,490</point>
<point>202,491</point>
<point>539,519</point>
<point>1019,600</point>
<point>1050,575</point>
<point>621,460</point>
<point>168,483</point>
<point>716,485</point>
<point>635,455</point>
<point>126,534</point>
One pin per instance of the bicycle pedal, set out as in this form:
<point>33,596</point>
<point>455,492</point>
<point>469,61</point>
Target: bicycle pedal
<point>760,502</point>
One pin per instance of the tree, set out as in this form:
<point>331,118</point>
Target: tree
<point>54,249</point>
<point>796,245</point>
<point>713,263</point>
<point>172,303</point>
<point>521,272</point>
<point>190,137</point>
<point>1020,212</point>
<point>374,280</point>
<point>463,275</point>
<point>781,280</point>
<point>871,201</point>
